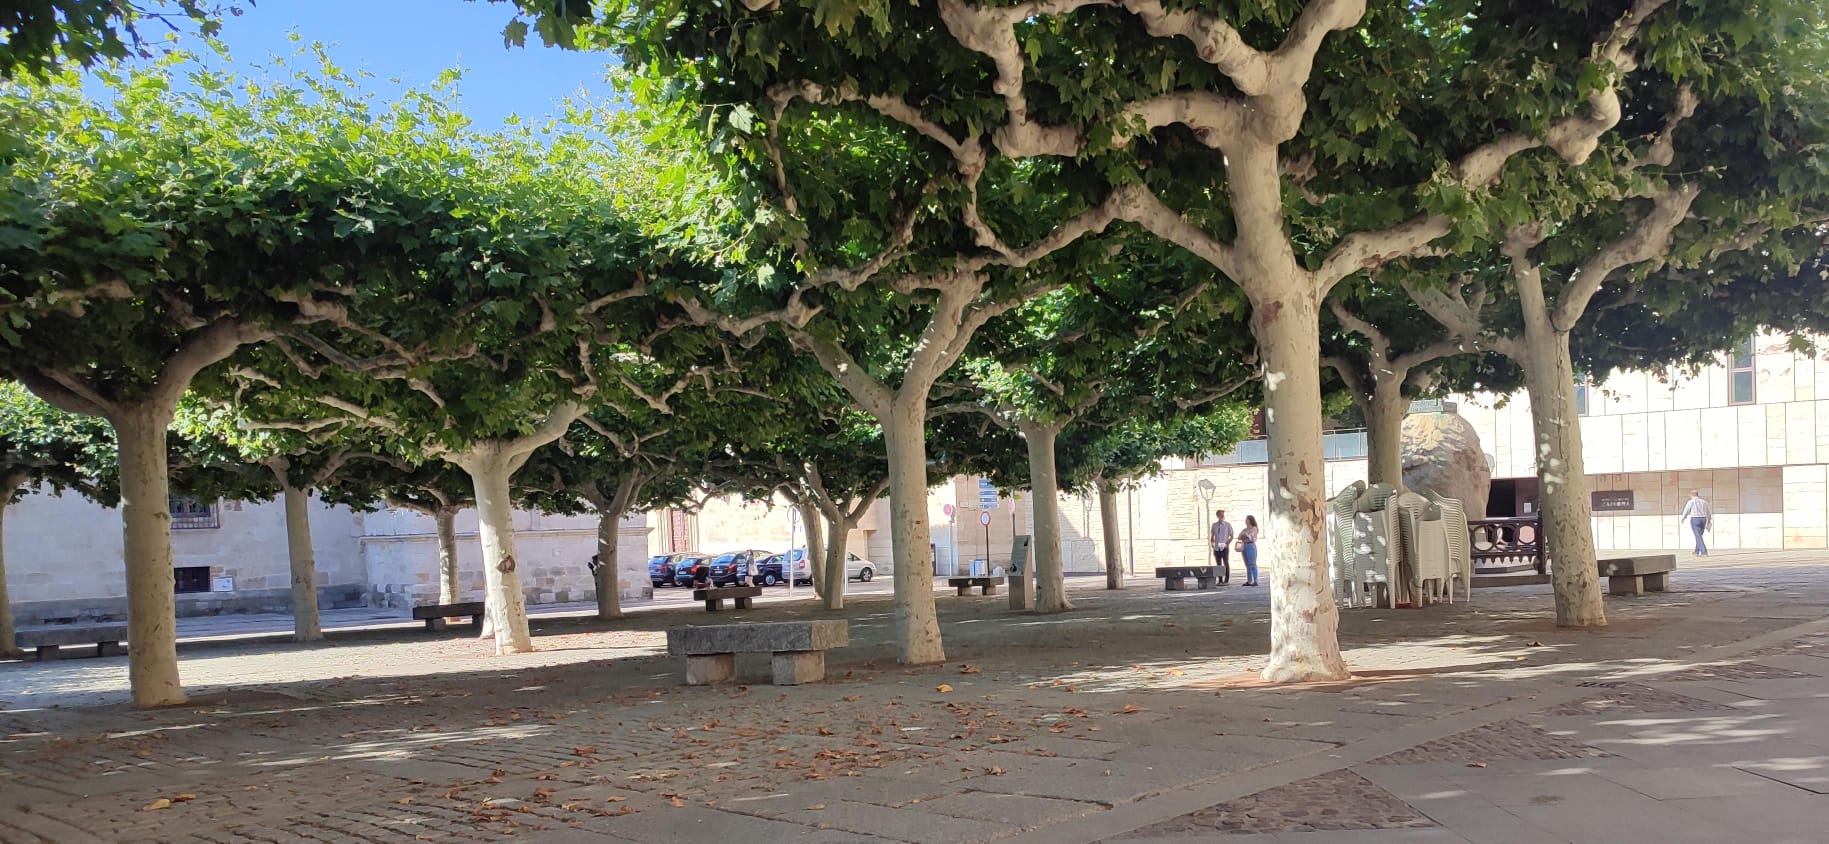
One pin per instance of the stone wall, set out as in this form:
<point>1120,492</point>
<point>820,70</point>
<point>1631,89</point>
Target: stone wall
<point>401,550</point>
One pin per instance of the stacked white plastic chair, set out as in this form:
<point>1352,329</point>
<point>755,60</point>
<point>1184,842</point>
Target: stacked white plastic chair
<point>1432,563</point>
<point>1342,562</point>
<point>1460,550</point>
<point>1377,541</point>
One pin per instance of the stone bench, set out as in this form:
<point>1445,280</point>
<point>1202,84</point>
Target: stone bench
<point>434,615</point>
<point>1638,575</point>
<point>798,647</point>
<point>986,585</point>
<point>715,597</point>
<point>1176,577</point>
<point>108,639</point>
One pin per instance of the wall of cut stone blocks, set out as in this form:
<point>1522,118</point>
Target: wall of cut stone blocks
<point>1662,435</point>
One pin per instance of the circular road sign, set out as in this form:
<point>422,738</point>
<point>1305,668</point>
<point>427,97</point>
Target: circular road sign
<point>984,518</point>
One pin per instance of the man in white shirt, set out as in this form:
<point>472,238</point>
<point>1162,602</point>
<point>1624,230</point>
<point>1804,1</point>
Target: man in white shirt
<point>1220,537</point>
<point>1696,514</point>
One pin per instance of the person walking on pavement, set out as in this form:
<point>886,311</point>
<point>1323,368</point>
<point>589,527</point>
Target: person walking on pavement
<point>1247,545</point>
<point>1220,537</point>
<point>1697,515</point>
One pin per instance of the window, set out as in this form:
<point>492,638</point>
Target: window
<point>1740,374</point>
<point>192,579</point>
<point>191,514</point>
<point>1581,395</point>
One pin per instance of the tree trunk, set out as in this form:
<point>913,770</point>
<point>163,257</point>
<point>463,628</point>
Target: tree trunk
<point>1108,523</point>
<point>609,587</point>
<point>490,469</point>
<point>1304,642</point>
<point>152,629</point>
<point>813,535</point>
<point>917,624</point>
<point>837,572</point>
<point>1044,489</point>
<point>1384,420</point>
<point>1549,376</point>
<point>448,590</point>
<point>305,626</point>
<point>8,487</point>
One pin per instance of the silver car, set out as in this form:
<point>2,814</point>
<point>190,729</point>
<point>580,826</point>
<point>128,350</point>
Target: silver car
<point>856,568</point>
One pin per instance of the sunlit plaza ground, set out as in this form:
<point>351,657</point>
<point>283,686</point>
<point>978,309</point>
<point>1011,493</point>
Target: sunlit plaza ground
<point>1701,714</point>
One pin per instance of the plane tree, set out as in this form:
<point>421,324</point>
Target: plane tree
<point>1288,157</point>
<point>43,448</point>
<point>182,214</point>
<point>434,488</point>
<point>1716,164</point>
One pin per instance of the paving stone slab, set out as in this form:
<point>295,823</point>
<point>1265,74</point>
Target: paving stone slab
<point>1334,801</point>
<point>1690,782</point>
<point>892,824</point>
<point>1633,698</point>
<point>1504,740</point>
<point>1011,810</point>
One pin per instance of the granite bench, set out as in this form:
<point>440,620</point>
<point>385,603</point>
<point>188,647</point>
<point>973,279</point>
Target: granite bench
<point>715,597</point>
<point>1176,577</point>
<point>986,585</point>
<point>1638,575</point>
<point>798,647</point>
<point>108,639</point>
<point>435,615</point>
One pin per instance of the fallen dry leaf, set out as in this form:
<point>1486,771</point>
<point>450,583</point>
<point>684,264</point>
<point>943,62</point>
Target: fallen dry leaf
<point>943,688</point>
<point>184,798</point>
<point>994,771</point>
<point>1476,764</point>
<point>816,807</point>
<point>677,803</point>
<point>969,669</point>
<point>156,805</point>
<point>1131,708</point>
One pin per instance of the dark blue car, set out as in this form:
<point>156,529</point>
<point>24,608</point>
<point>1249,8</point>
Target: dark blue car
<point>661,567</point>
<point>682,567</point>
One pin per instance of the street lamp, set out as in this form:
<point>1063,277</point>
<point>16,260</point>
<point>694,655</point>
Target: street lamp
<point>1205,488</point>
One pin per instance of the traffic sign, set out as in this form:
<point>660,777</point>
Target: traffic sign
<point>948,510</point>
<point>984,519</point>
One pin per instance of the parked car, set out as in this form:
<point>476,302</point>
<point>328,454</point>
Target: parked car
<point>682,567</point>
<point>856,568</point>
<point>662,567</point>
<point>734,567</point>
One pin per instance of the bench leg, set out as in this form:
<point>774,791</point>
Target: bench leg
<point>1172,584</point>
<point>989,589</point>
<point>1204,582</point>
<point>110,649</point>
<point>1629,584</point>
<point>742,603</point>
<point>795,667</point>
<point>1657,582</point>
<point>436,624</point>
<point>710,669</point>
<point>714,604</point>
<point>964,591</point>
<point>47,653</point>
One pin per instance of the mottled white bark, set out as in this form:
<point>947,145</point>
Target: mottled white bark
<point>305,625</point>
<point>609,589</point>
<point>506,605</point>
<point>1114,547</point>
<point>1384,410</point>
<point>152,641</point>
<point>836,567</point>
<point>918,624</point>
<point>1044,488</point>
<point>1304,643</point>
<point>813,534</point>
<point>9,487</point>
<point>1568,532</point>
<point>448,590</point>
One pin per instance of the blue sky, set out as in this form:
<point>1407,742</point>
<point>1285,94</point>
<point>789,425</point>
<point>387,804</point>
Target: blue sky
<point>413,40</point>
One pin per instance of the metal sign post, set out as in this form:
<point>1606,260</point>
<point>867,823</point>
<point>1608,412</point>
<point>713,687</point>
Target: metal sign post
<point>984,518</point>
<point>952,533</point>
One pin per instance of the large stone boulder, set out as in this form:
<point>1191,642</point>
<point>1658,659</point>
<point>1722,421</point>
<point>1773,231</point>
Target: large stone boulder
<point>1442,454</point>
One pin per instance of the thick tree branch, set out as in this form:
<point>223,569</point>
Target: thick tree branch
<point>1649,240</point>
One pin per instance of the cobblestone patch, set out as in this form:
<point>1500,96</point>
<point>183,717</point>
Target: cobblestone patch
<point>1338,800</point>
<point>1733,671</point>
<point>1503,740</point>
<point>1633,698</point>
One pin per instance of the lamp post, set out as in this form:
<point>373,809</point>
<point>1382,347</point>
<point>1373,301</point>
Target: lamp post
<point>1205,488</point>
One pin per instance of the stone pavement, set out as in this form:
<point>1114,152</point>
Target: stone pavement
<point>1699,713</point>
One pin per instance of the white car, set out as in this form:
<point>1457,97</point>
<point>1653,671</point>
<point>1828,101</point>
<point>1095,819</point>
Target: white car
<point>856,568</point>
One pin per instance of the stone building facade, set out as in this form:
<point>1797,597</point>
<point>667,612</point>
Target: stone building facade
<point>64,560</point>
